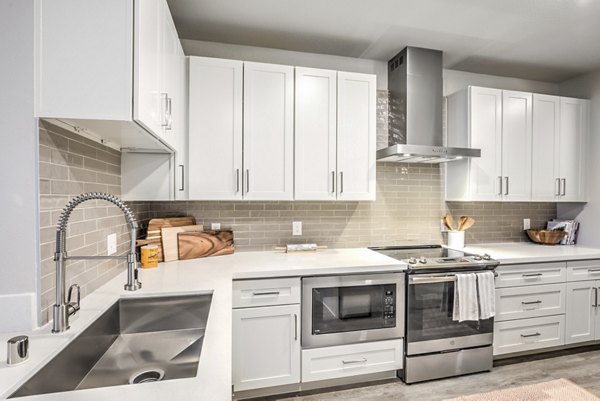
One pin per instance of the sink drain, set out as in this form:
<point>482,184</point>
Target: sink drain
<point>147,376</point>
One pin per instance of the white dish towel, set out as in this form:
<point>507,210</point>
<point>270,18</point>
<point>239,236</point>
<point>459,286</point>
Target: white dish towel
<point>487,295</point>
<point>465,298</point>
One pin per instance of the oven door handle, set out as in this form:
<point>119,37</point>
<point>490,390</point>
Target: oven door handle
<point>429,280</point>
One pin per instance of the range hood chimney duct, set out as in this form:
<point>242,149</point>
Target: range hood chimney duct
<point>415,110</point>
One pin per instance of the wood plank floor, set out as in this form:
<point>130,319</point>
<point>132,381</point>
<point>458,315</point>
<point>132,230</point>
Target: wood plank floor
<point>581,368</point>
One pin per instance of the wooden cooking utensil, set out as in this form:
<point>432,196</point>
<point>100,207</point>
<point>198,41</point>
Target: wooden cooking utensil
<point>466,222</point>
<point>449,222</point>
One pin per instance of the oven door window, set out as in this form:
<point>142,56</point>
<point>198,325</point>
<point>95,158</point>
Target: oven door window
<point>340,309</point>
<point>430,309</point>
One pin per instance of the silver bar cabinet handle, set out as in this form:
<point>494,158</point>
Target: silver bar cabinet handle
<point>595,305</point>
<point>532,274</point>
<point>295,327</point>
<point>362,360</point>
<point>341,182</point>
<point>564,187</point>
<point>506,189</point>
<point>333,182</point>
<point>170,114</point>
<point>266,292</point>
<point>182,186</point>
<point>499,185</point>
<point>237,180</point>
<point>557,187</point>
<point>247,180</point>
<point>531,302</point>
<point>164,97</point>
<point>530,335</point>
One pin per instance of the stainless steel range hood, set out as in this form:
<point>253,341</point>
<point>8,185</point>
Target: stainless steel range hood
<point>415,110</point>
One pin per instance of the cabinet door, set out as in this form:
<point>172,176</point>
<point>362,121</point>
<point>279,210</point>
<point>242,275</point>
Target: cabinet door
<point>170,78</point>
<point>268,132</point>
<point>149,100</point>
<point>180,125</point>
<point>485,124</point>
<point>215,129</point>
<point>581,314</point>
<point>574,117</point>
<point>356,136</point>
<point>545,148</point>
<point>266,347</point>
<point>516,145</point>
<point>315,134</point>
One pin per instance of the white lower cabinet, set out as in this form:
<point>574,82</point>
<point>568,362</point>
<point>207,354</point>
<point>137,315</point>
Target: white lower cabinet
<point>266,346</point>
<point>582,311</point>
<point>351,360</point>
<point>529,334</point>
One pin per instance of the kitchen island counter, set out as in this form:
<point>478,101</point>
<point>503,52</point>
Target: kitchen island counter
<point>199,276</point>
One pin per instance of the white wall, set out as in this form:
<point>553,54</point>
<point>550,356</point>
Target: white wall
<point>587,86</point>
<point>19,237</point>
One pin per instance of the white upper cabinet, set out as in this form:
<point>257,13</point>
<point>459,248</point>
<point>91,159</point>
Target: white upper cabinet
<point>545,148</point>
<point>268,132</point>
<point>356,136</point>
<point>532,146</point>
<point>102,65</point>
<point>215,129</point>
<point>574,120</point>
<point>516,145</point>
<point>315,134</point>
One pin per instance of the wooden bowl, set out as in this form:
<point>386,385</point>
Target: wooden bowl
<point>546,237</point>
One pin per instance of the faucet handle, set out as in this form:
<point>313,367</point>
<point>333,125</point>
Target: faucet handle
<point>73,307</point>
<point>18,350</point>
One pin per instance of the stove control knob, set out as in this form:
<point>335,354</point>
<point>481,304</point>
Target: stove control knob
<point>412,261</point>
<point>477,257</point>
<point>422,260</point>
<point>486,256</point>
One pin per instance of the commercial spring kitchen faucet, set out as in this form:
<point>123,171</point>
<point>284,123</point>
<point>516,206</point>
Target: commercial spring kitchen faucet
<point>64,307</point>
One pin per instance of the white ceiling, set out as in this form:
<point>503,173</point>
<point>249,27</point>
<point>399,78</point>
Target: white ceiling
<point>546,40</point>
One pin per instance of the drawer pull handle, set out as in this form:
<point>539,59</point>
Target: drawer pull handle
<point>593,270</point>
<point>532,274</point>
<point>530,335</point>
<point>295,327</point>
<point>362,360</point>
<point>266,292</point>
<point>531,302</point>
<point>595,305</point>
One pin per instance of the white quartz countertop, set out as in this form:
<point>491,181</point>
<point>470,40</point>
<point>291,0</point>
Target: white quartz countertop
<point>208,275</point>
<point>511,253</point>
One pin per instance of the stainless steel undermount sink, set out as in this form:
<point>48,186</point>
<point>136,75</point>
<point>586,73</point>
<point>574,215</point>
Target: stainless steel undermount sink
<point>136,340</point>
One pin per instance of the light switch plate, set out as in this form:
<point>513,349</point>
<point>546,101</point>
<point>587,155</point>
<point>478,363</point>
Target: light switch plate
<point>215,226</point>
<point>111,244</point>
<point>297,228</point>
<point>526,224</point>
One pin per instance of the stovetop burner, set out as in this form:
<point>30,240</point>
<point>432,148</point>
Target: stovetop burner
<point>429,258</point>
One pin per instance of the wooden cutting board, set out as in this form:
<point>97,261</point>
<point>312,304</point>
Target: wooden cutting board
<point>169,240</point>
<point>155,226</point>
<point>208,243</point>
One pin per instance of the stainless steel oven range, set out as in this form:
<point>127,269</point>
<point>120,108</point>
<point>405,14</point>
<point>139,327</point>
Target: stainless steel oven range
<point>437,346</point>
<point>347,309</point>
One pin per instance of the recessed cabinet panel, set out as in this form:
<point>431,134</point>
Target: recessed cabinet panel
<point>215,129</point>
<point>581,312</point>
<point>315,134</point>
<point>573,128</point>
<point>545,148</point>
<point>268,132</point>
<point>486,134</point>
<point>356,136</point>
<point>516,145</point>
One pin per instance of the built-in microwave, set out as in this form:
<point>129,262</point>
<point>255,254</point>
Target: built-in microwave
<point>348,309</point>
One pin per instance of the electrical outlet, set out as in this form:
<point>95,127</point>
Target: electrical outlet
<point>215,226</point>
<point>526,224</point>
<point>297,228</point>
<point>111,244</point>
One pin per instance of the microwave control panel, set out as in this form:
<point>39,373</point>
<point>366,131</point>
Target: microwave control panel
<point>389,305</point>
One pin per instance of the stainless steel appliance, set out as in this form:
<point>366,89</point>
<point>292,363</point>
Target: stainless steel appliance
<point>349,309</point>
<point>437,346</point>
<point>415,110</point>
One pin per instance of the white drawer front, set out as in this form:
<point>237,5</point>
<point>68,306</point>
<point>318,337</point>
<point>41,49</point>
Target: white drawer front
<point>351,360</point>
<point>581,270</point>
<point>531,274</point>
<point>277,291</point>
<point>529,334</point>
<point>530,301</point>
